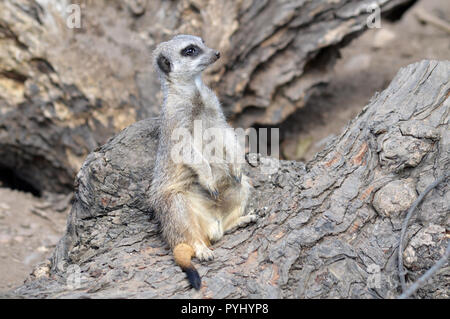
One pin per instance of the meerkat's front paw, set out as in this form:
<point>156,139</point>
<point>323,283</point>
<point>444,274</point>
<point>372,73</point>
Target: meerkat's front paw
<point>203,253</point>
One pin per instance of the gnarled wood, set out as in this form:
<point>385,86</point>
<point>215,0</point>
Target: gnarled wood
<point>328,229</point>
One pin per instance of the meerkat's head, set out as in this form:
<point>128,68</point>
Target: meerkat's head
<point>183,58</point>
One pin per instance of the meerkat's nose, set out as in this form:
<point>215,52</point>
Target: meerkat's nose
<point>217,54</point>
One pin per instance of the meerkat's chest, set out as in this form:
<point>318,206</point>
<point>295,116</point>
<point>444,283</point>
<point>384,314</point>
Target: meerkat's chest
<point>206,108</point>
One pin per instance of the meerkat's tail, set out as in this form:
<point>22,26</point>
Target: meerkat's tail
<point>183,254</point>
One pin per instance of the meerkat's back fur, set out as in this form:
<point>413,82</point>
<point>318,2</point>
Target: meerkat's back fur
<point>195,202</point>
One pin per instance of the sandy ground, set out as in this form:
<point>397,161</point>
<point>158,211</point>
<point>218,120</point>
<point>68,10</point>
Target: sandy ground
<point>30,227</point>
<point>29,231</point>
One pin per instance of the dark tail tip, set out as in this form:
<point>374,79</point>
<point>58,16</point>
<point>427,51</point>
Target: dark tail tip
<point>193,277</point>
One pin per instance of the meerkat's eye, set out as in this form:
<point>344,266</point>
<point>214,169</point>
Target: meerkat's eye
<point>191,50</point>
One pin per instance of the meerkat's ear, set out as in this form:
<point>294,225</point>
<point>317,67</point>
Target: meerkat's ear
<point>164,64</point>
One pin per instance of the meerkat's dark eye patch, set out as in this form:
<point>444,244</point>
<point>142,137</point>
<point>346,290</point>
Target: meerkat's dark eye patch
<point>164,64</point>
<point>191,50</point>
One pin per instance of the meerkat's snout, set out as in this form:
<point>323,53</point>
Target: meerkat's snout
<point>215,55</point>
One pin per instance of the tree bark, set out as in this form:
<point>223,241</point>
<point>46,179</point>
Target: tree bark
<point>64,92</point>
<point>327,229</point>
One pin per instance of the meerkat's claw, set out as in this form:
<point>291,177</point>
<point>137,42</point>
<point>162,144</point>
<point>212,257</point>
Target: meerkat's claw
<point>237,174</point>
<point>203,253</point>
<point>214,193</point>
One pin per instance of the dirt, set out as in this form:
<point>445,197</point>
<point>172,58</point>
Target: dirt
<point>29,230</point>
<point>30,226</point>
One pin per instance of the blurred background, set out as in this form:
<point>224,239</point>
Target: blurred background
<point>74,73</point>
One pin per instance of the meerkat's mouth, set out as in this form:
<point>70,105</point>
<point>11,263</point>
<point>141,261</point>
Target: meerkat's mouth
<point>212,59</point>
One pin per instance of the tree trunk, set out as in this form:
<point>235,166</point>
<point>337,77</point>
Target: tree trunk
<point>328,229</point>
<point>64,92</point>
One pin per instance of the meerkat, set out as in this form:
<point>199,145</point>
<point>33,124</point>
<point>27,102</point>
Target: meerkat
<point>195,202</point>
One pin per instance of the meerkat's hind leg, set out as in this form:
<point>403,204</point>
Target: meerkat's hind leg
<point>204,211</point>
<point>246,219</point>
<point>216,230</point>
<point>179,233</point>
<point>237,218</point>
<point>241,221</point>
